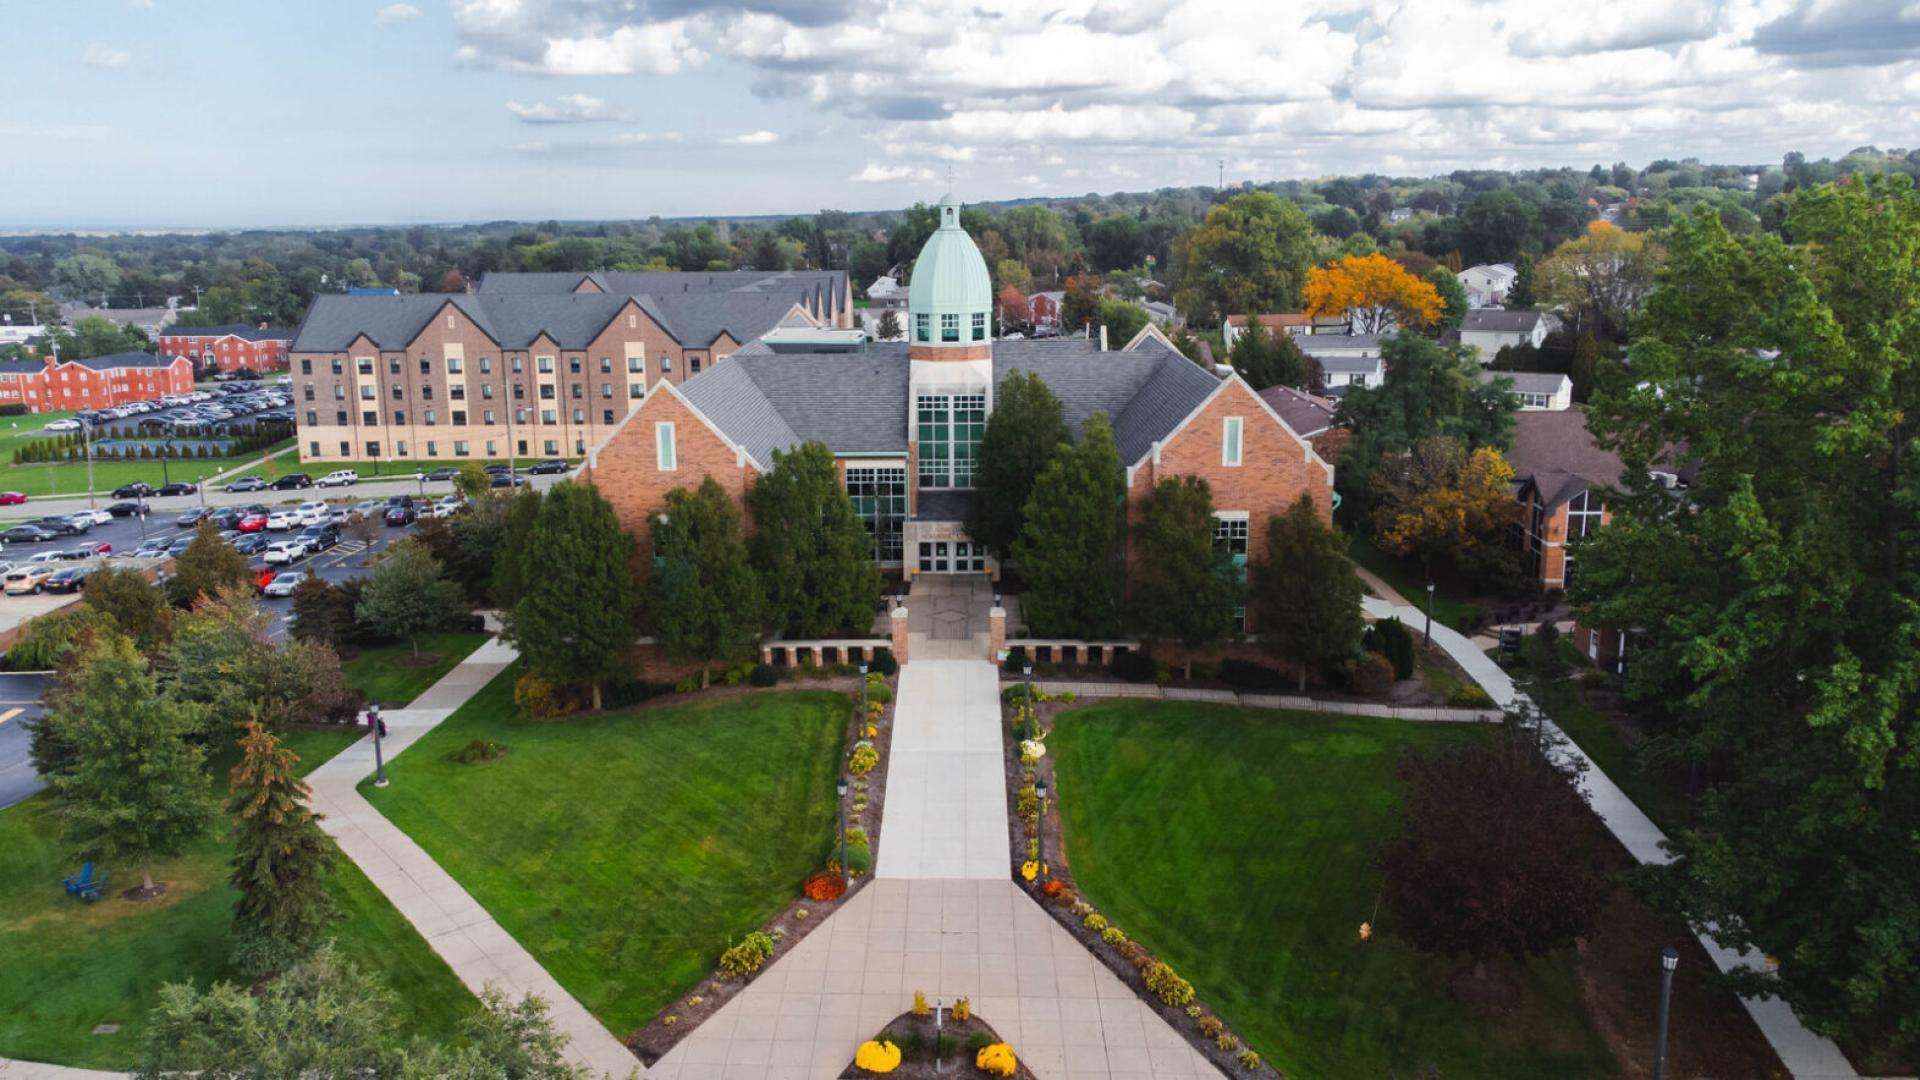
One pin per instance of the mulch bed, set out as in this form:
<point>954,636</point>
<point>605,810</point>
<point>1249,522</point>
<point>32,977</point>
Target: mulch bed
<point>916,1038</point>
<point>677,1020</point>
<point>1128,969</point>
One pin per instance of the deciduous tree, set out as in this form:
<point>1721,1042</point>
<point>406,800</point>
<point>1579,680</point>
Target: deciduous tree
<point>1442,499</point>
<point>1012,307</point>
<point>813,555</point>
<point>1598,278</point>
<point>580,602</point>
<point>1453,296</point>
<point>1249,256</point>
<point>1024,432</point>
<point>138,609</point>
<point>1430,389</point>
<point>706,599</point>
<point>281,858</point>
<point>1375,293</point>
<point>1306,597</point>
<point>1265,359</point>
<point>509,578</point>
<point>208,566</point>
<point>1069,549</point>
<point>1121,321</point>
<point>409,594</point>
<point>1184,586</point>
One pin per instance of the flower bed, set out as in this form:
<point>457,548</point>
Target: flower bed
<point>906,1048</point>
<point>1048,878</point>
<point>822,891</point>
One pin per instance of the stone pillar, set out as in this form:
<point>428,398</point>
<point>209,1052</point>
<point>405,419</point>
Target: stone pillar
<point>996,633</point>
<point>900,634</point>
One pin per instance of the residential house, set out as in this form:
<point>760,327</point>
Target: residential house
<point>1561,477</point>
<point>883,296</point>
<point>1043,311</point>
<point>1488,284</point>
<point>1162,312</point>
<point>1285,323</point>
<point>1345,359</point>
<point>1537,390</point>
<point>1307,414</point>
<point>1488,330</point>
<point>905,422</point>
<point>229,348</point>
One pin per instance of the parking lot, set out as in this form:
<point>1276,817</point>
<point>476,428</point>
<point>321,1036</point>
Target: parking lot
<point>240,402</point>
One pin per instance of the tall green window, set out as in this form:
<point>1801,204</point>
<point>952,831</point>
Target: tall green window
<point>879,494</point>
<point>949,428</point>
<point>1230,539</point>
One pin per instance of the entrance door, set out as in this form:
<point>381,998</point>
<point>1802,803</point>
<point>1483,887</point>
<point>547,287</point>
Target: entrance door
<point>952,557</point>
<point>936,557</point>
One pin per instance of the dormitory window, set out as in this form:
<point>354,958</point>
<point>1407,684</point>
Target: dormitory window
<point>923,328</point>
<point>636,365</point>
<point>370,419</point>
<point>433,448</point>
<point>426,393</point>
<point>398,393</point>
<point>457,392</point>
<point>486,391</point>
<point>340,417</point>
<point>636,391</point>
<point>459,418</point>
<point>364,366</point>
<point>459,448</point>
<point>306,368</point>
<point>340,392</point>
<point>456,365</point>
<point>373,449</point>
<point>949,327</point>
<point>366,392</point>
<point>346,449</point>
<point>426,366</point>
<point>548,416</point>
<point>573,365</point>
<point>693,366</point>
<point>606,364</point>
<point>579,416</point>
<point>576,392</point>
<point>399,418</point>
<point>393,366</point>
<point>666,363</point>
<point>979,326</point>
<point>486,417</point>
<point>429,418</point>
<point>606,391</point>
<point>313,418</point>
<point>551,447</point>
<point>546,391</point>
<point>486,365</point>
<point>307,391</point>
<point>950,426</point>
<point>666,458</point>
<point>546,365</point>
<point>606,416</point>
<point>879,494</point>
<point>517,362</point>
<point>313,449</point>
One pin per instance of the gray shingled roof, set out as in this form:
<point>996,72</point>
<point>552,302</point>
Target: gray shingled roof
<point>1316,344</point>
<point>245,331</point>
<point>1349,365</point>
<point>1529,382</point>
<point>125,360</point>
<point>22,367</point>
<point>1307,414</point>
<point>1144,393</point>
<point>1494,320</point>
<point>1556,453</point>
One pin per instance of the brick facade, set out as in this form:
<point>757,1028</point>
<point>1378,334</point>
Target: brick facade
<point>627,473</point>
<point>44,386</point>
<point>227,351</point>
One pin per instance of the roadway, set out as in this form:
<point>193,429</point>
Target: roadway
<point>19,702</point>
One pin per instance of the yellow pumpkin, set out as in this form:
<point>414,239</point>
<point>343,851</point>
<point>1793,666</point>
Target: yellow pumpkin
<point>1029,869</point>
<point>877,1057</point>
<point>996,1060</point>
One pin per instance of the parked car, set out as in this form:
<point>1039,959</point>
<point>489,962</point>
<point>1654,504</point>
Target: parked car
<point>26,534</point>
<point>63,425</point>
<point>28,579</point>
<point>192,517</point>
<point>501,479</point>
<point>139,489</point>
<point>98,517</point>
<point>127,509</point>
<point>339,478</point>
<point>179,487</point>
<point>320,536</point>
<point>285,582</point>
<point>292,481</point>
<point>90,549</point>
<point>151,548</point>
<point>284,551</point>
<point>449,506</point>
<point>314,512</point>
<point>55,555</point>
<point>180,546</point>
<point>63,526</point>
<point>68,578</point>
<point>252,521</point>
<point>499,467</point>
<point>551,465</point>
<point>227,518</point>
<point>11,498</point>
<point>252,543</point>
<point>399,500</point>
<point>402,515</point>
<point>444,472</point>
<point>248,483</point>
<point>282,520</point>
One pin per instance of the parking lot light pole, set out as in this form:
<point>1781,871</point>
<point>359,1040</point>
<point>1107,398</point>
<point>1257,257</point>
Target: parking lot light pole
<point>422,478</point>
<point>1426,636</point>
<point>201,487</point>
<point>379,730</point>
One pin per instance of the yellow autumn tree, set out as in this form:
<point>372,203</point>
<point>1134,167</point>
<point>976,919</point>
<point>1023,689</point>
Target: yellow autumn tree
<point>1441,499</point>
<point>1373,291</point>
<point>1597,279</point>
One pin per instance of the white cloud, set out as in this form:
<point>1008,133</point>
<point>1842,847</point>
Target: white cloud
<point>394,14</point>
<point>636,138</point>
<point>753,138</point>
<point>101,55</point>
<point>876,173</point>
<point>140,5</point>
<point>567,109</point>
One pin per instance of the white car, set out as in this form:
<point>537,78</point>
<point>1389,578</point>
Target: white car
<point>97,517</point>
<point>47,556</point>
<point>63,425</point>
<point>282,520</point>
<point>313,513</point>
<point>338,478</point>
<point>449,506</point>
<point>285,551</point>
<point>284,582</point>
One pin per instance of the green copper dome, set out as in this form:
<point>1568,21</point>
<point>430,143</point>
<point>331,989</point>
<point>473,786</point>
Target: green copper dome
<point>949,279</point>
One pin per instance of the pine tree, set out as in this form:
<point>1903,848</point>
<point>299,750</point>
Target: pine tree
<point>281,858</point>
<point>137,789</point>
<point>1184,588</point>
<point>1306,597</point>
<point>1069,550</point>
<point>706,600</point>
<point>1024,432</point>
<point>813,555</point>
<point>575,619</point>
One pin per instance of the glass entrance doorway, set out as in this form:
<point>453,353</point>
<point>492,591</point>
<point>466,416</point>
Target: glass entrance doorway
<point>952,557</point>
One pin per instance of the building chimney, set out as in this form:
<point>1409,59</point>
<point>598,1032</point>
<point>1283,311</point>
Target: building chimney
<point>1103,337</point>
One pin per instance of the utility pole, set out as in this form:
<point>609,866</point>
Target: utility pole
<point>1223,174</point>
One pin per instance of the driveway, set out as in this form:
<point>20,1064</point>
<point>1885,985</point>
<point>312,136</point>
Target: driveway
<point>19,702</point>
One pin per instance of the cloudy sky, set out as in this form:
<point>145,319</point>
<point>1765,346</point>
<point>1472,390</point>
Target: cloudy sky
<point>154,113</point>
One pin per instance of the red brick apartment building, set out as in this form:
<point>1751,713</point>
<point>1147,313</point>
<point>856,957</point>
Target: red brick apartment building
<point>95,383</point>
<point>229,348</point>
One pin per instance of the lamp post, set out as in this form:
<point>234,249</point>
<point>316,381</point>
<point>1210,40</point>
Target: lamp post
<point>1040,829</point>
<point>846,875</point>
<point>863,698</point>
<point>201,487</point>
<point>1026,668</point>
<point>421,478</point>
<point>1426,637</point>
<point>1669,959</point>
<point>379,727</point>
<point>142,515</point>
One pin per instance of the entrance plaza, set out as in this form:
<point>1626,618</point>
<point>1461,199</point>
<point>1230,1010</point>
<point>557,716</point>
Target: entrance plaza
<point>947,616</point>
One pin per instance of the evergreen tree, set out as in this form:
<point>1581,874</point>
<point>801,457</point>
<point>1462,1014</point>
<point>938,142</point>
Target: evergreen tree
<point>888,328</point>
<point>509,583</point>
<point>1069,550</point>
<point>1452,294</point>
<point>138,609</point>
<point>137,789</point>
<point>319,613</point>
<point>1306,597</point>
<point>813,555</point>
<point>408,595</point>
<point>1520,297</point>
<point>1184,587</point>
<point>1025,430</point>
<point>281,858</point>
<point>208,566</point>
<point>1265,359</point>
<point>706,600</point>
<point>575,619</point>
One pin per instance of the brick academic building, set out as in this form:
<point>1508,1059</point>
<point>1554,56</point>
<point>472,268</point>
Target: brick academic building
<point>98,382</point>
<point>229,348</point>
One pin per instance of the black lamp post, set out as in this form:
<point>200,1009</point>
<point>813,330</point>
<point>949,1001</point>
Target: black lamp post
<point>863,699</point>
<point>846,873</point>
<point>1040,829</point>
<point>1426,636</point>
<point>422,478</point>
<point>1026,668</point>
<point>1669,959</point>
<point>379,727</point>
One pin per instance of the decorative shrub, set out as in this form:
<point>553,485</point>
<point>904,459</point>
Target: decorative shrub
<point>1081,909</point>
<point>1249,1060</point>
<point>620,695</point>
<point>877,1056</point>
<point>1133,666</point>
<point>878,693</point>
<point>1069,696</point>
<point>1014,695</point>
<point>920,1003</point>
<point>1112,936</point>
<point>1195,1011</point>
<point>480,750</point>
<point>1469,697</point>
<point>825,887</point>
<point>800,913</point>
<point>764,676</point>
<point>979,1041</point>
<point>537,699</point>
<point>687,685</point>
<point>1391,639</point>
<point>1095,921</point>
<point>1248,675</point>
<point>1031,868</point>
<point>859,859</point>
<point>996,1060</point>
<point>864,758</point>
<point>747,957</point>
<point>1065,897</point>
<point>1227,1042</point>
<point>1026,802</point>
<point>1170,987</point>
<point>962,1008</point>
<point>883,663</point>
<point>1031,751</point>
<point>1372,675</point>
<point>1211,1026</point>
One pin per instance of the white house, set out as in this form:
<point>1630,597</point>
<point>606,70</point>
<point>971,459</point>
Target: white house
<point>1487,285</point>
<point>1538,391</point>
<point>884,295</point>
<point>1488,330</point>
<point>1285,323</point>
<point>1346,359</point>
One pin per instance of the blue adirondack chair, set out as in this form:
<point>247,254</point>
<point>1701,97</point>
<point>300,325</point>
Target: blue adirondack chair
<point>85,885</point>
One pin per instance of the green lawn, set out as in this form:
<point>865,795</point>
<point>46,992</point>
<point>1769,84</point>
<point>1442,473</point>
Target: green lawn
<point>70,478</point>
<point>72,966</point>
<point>625,851</point>
<point>391,470</point>
<point>1408,578</point>
<point>384,679</point>
<point>1237,845</point>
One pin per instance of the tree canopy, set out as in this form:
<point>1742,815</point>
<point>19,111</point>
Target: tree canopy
<point>1430,389</point>
<point>1184,587</point>
<point>1024,431</point>
<point>706,599</point>
<point>580,602</point>
<point>409,594</point>
<point>1069,551</point>
<point>281,859</point>
<point>1306,597</point>
<point>1375,293</point>
<point>1250,256</point>
<point>1598,278</point>
<point>813,555</point>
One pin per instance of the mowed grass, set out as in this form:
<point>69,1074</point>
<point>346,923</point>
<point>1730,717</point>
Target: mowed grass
<point>70,478</point>
<point>1407,577</point>
<point>71,966</point>
<point>387,681</point>
<point>1237,845</point>
<point>627,850</point>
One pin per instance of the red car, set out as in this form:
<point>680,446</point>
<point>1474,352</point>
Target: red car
<point>265,579</point>
<point>97,547</point>
<point>251,523</point>
<point>11,498</point>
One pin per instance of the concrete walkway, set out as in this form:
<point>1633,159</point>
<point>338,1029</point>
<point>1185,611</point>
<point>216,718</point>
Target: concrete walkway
<point>35,1070</point>
<point>476,947</point>
<point>1806,1055</point>
<point>1090,689</point>
<point>946,800</point>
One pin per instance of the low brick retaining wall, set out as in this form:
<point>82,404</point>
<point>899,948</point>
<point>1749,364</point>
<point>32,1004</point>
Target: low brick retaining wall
<point>1262,701</point>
